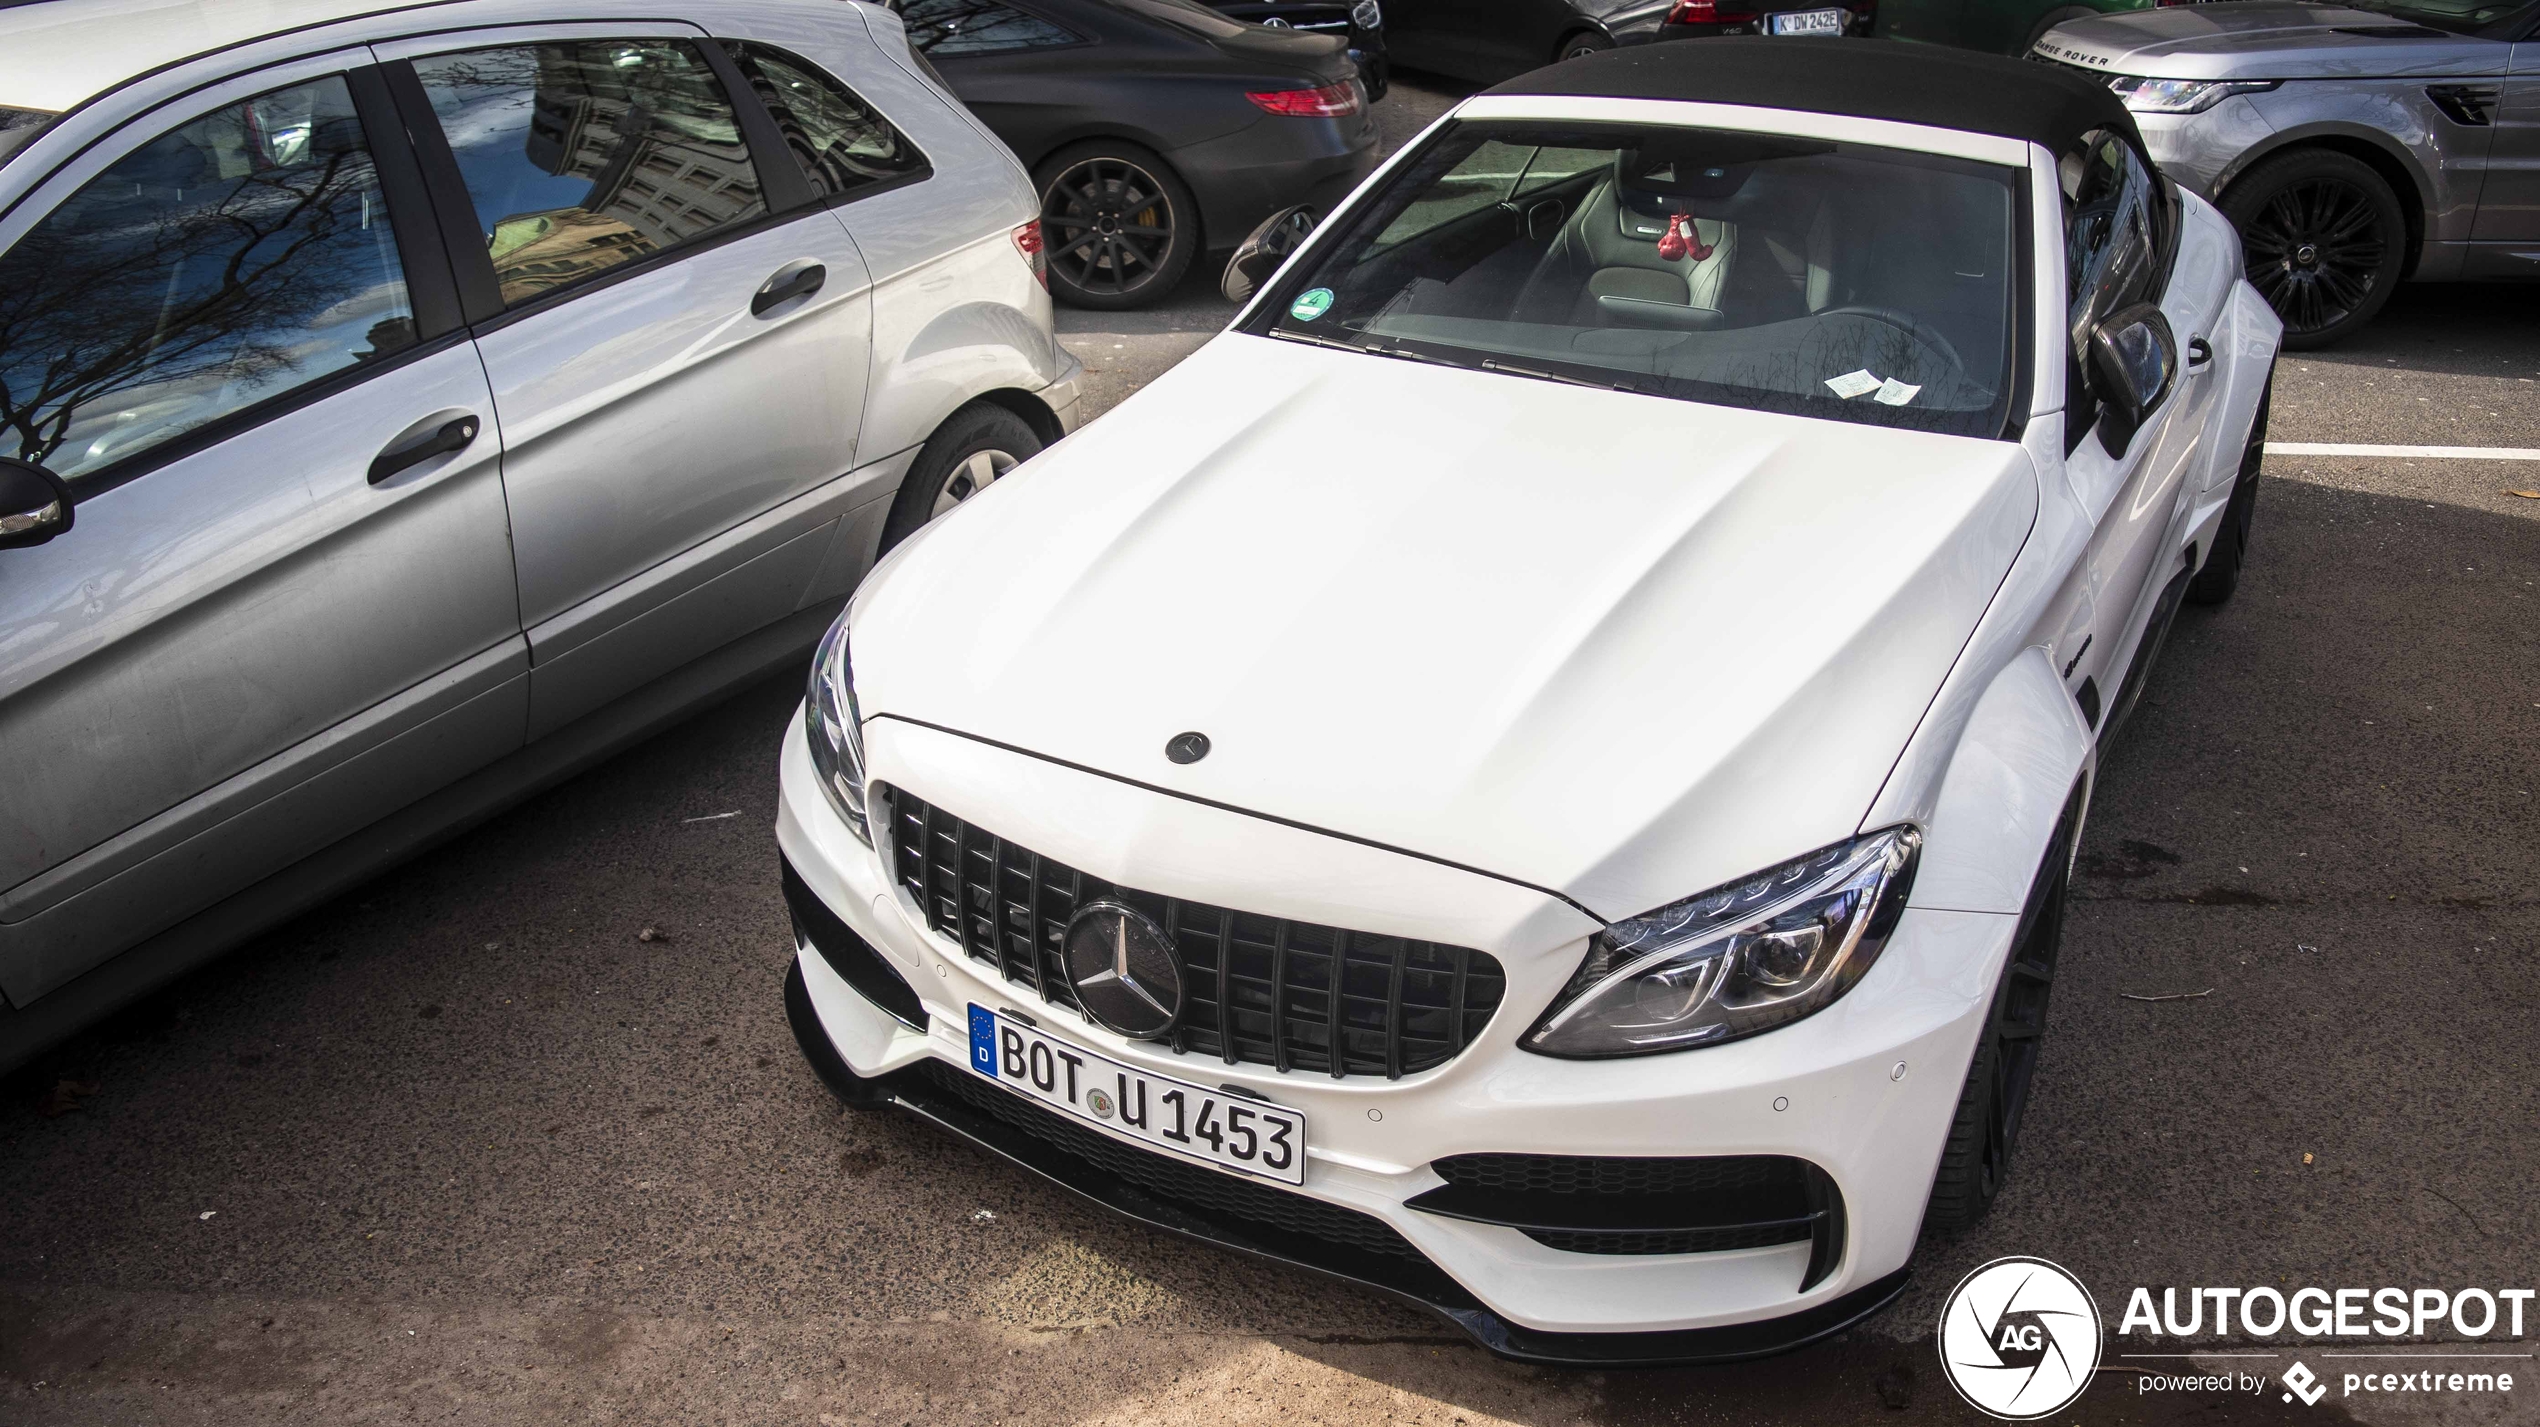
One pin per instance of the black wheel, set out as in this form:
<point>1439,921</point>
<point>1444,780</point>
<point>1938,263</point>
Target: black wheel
<point>2221,575</point>
<point>1585,42</point>
<point>1976,1159</point>
<point>2323,239</point>
<point>966,454</point>
<point>1120,225</point>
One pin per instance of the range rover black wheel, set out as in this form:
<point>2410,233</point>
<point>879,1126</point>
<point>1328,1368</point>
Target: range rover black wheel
<point>1976,1158</point>
<point>1121,226</point>
<point>2323,239</point>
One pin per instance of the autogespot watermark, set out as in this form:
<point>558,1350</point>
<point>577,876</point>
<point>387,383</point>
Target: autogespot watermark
<point>2021,1338</point>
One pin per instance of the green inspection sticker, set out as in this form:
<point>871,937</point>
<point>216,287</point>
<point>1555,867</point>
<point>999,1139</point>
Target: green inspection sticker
<point>1314,303</point>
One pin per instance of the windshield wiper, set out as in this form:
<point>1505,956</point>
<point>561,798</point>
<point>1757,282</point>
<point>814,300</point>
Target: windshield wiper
<point>1517,371</point>
<point>1368,348</point>
<point>1310,339</point>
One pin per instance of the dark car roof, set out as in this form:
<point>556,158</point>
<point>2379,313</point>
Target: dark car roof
<point>1868,79</point>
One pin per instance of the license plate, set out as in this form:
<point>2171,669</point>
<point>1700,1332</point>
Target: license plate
<point>1157,1111</point>
<point>1810,22</point>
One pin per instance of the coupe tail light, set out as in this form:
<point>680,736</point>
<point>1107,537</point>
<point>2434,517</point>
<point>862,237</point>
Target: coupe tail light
<point>1332,101</point>
<point>1027,241</point>
<point>1709,12</point>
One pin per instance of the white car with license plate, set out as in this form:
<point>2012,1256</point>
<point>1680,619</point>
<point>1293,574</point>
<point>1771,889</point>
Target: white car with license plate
<point>1538,770</point>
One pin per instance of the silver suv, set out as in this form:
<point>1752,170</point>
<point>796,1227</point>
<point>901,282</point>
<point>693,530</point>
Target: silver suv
<point>2356,146</point>
<point>402,409</point>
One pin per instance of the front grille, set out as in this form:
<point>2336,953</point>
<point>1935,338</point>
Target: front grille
<point>1255,989</point>
<point>1205,1191</point>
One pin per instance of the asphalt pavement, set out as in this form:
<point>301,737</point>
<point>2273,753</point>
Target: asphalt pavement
<point>516,1133</point>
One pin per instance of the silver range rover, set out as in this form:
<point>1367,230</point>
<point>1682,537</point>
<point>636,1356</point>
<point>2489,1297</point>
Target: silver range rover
<point>2356,146</point>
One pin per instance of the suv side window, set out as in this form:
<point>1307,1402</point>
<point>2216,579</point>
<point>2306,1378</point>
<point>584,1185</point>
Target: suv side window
<point>222,264</point>
<point>2112,250</point>
<point>841,143</point>
<point>947,29</point>
<point>580,155</point>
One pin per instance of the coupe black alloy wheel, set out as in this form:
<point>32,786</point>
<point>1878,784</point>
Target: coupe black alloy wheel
<point>2323,240</point>
<point>1116,230</point>
<point>1975,1160</point>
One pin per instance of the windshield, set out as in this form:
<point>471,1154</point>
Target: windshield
<point>1826,279</point>
<point>18,128</point>
<point>2459,17</point>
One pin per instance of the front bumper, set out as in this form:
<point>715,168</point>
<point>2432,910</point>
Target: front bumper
<point>1863,1090</point>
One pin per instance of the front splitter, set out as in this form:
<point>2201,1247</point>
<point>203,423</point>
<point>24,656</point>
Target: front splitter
<point>1404,1276</point>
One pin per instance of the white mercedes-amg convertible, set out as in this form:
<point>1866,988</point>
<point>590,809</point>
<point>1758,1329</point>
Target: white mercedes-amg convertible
<point>1538,770</point>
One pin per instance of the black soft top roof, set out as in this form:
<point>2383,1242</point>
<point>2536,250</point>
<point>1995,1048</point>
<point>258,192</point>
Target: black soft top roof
<point>1869,79</point>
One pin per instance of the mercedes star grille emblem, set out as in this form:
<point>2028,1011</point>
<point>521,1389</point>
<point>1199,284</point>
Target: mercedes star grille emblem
<point>1125,970</point>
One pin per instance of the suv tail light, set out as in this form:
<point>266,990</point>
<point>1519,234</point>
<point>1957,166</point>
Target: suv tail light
<point>1027,241</point>
<point>1709,12</point>
<point>1332,101</point>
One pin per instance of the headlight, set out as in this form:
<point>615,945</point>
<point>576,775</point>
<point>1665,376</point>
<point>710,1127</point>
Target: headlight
<point>1737,960</point>
<point>834,730</point>
<point>2182,96</point>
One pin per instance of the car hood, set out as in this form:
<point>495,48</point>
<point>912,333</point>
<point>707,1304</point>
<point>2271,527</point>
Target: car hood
<point>1612,646</point>
<point>2263,39</point>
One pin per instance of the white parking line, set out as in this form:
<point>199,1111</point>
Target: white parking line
<point>2413,453</point>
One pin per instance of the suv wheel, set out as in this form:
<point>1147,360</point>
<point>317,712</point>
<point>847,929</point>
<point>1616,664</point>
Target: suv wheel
<point>2323,239</point>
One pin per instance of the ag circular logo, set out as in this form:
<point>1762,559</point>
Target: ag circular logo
<point>1127,975</point>
<point>2019,1338</point>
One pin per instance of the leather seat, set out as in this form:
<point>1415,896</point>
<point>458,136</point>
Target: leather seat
<point>1604,270</point>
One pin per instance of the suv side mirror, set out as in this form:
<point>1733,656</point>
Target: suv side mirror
<point>35,505</point>
<point>2133,363</point>
<point>1259,255</point>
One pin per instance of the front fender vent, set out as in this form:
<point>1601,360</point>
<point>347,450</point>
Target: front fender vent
<point>2471,105</point>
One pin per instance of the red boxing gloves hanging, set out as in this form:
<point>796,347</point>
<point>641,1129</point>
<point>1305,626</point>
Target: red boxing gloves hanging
<point>1683,240</point>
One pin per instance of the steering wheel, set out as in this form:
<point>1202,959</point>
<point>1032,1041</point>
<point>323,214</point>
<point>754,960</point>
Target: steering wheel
<point>1905,324</point>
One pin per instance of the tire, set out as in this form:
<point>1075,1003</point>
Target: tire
<point>2322,238</point>
<point>1121,226</point>
<point>975,446</point>
<point>1975,1161</point>
<point>2221,575</point>
<point>1585,42</point>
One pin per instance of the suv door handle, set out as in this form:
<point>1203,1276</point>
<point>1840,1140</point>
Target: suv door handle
<point>2199,352</point>
<point>412,447</point>
<point>799,278</point>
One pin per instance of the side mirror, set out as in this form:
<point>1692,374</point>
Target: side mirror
<point>2133,363</point>
<point>1259,255</point>
<point>35,505</point>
